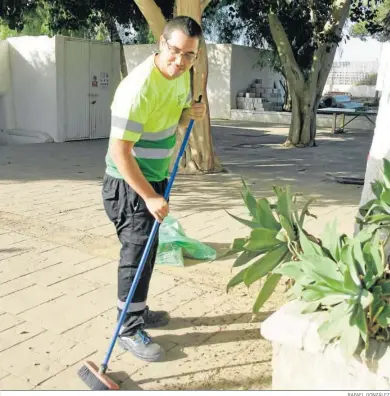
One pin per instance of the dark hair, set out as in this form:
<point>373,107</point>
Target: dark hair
<point>186,24</point>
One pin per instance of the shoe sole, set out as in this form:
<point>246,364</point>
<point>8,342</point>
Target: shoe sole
<point>156,358</point>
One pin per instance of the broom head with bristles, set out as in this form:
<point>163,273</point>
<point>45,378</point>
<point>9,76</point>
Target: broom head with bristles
<point>90,375</point>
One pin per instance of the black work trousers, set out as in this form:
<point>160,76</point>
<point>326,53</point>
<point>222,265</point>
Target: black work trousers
<point>133,223</point>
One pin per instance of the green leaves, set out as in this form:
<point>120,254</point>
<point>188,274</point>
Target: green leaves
<point>274,228</point>
<point>341,276</point>
<point>265,216</point>
<point>244,258</point>
<point>266,291</point>
<point>386,172</point>
<point>237,279</point>
<point>261,238</point>
<point>347,277</point>
<point>265,265</point>
<point>249,223</point>
<point>377,211</point>
<point>249,200</point>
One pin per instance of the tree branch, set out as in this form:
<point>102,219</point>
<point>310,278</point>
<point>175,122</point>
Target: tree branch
<point>290,65</point>
<point>153,15</point>
<point>190,8</point>
<point>203,5</point>
<point>313,15</point>
<point>340,13</point>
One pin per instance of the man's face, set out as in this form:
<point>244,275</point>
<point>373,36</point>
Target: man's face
<point>178,53</point>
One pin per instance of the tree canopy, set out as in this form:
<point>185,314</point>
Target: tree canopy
<point>378,26</point>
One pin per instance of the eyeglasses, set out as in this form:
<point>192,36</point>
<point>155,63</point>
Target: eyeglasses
<point>176,52</point>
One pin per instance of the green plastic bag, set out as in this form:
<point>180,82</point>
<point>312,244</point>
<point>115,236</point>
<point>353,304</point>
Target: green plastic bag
<point>174,245</point>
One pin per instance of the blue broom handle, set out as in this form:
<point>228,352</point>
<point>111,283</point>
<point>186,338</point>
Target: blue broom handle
<point>146,252</point>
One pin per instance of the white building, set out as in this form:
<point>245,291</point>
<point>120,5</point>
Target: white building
<point>56,89</point>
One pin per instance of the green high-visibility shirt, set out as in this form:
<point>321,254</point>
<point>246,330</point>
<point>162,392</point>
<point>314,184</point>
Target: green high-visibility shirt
<point>146,110</point>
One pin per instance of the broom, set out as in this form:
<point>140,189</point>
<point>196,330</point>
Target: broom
<point>93,376</point>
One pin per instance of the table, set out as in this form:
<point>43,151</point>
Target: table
<point>349,112</point>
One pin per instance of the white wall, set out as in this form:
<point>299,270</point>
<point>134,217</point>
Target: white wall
<point>219,81</point>
<point>244,71</point>
<point>384,66</point>
<point>136,54</point>
<point>33,70</point>
<point>5,75</point>
<point>7,112</point>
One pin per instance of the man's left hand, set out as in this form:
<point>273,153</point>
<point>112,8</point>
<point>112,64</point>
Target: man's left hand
<point>198,111</point>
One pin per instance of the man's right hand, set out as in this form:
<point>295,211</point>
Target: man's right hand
<point>158,207</point>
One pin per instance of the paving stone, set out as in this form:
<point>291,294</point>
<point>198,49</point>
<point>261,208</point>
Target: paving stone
<point>199,380</point>
<point>29,365</point>
<point>67,312</point>
<point>3,374</point>
<point>25,264</point>
<point>161,283</point>
<point>66,380</point>
<point>27,298</point>
<point>104,230</point>
<point>9,239</point>
<point>96,331</point>
<point>18,334</point>
<point>7,321</point>
<point>55,274</point>
<point>11,382</point>
<point>15,285</point>
<point>107,273</point>
<point>174,297</point>
<point>76,285</point>
<point>184,360</point>
<point>59,348</point>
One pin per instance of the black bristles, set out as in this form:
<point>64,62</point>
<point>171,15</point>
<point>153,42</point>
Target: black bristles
<point>91,380</point>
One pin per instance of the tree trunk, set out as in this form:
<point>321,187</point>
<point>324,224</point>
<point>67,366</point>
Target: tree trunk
<point>200,155</point>
<point>153,15</point>
<point>305,104</point>
<point>306,92</point>
<point>115,37</point>
<point>287,106</point>
<point>124,71</point>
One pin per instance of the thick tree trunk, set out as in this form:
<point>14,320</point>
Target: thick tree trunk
<point>305,104</point>
<point>306,91</point>
<point>200,155</point>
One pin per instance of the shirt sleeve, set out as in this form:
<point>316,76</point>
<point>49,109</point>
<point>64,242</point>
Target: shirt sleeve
<point>129,112</point>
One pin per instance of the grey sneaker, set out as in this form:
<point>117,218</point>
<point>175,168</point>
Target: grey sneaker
<point>140,345</point>
<point>154,319</point>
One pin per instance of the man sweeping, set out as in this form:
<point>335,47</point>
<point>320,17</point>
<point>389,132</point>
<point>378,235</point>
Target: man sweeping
<point>149,105</point>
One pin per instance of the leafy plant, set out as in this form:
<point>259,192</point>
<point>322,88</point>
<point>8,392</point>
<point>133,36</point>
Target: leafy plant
<point>274,229</point>
<point>350,280</point>
<point>377,211</point>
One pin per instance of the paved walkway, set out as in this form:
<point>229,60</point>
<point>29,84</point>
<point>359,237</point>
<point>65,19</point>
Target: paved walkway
<point>58,258</point>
